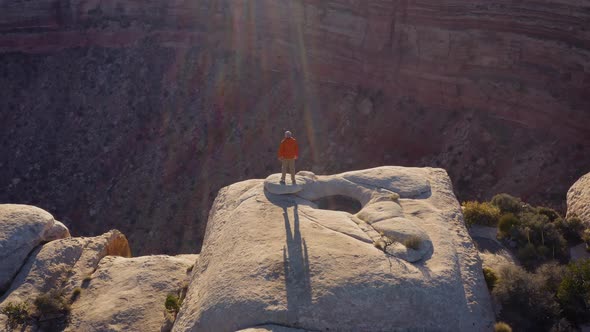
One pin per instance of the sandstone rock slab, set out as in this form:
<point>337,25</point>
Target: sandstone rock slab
<point>128,294</point>
<point>578,199</point>
<point>273,185</point>
<point>272,259</point>
<point>22,228</point>
<point>62,265</point>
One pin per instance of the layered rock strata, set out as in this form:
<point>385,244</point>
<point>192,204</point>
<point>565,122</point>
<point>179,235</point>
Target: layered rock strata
<point>145,109</point>
<point>277,259</point>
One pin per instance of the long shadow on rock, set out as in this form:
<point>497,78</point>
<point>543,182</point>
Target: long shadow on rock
<point>296,265</point>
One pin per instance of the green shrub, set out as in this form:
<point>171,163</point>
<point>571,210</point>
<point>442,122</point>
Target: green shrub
<point>538,232</point>
<point>17,313</point>
<point>574,291</point>
<point>551,214</point>
<point>480,213</point>
<point>534,231</point>
<point>490,277</point>
<point>586,236</point>
<point>563,325</point>
<point>572,228</point>
<point>413,242</point>
<point>502,327</point>
<point>507,203</point>
<point>506,222</point>
<point>550,276</point>
<point>544,252</point>
<point>52,302</point>
<point>527,304</point>
<point>380,244</point>
<point>527,255</point>
<point>172,303</point>
<point>75,294</point>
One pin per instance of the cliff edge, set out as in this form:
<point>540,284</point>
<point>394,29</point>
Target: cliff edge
<point>274,254</point>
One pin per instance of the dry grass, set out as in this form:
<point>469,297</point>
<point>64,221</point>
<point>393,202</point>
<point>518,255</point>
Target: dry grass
<point>413,242</point>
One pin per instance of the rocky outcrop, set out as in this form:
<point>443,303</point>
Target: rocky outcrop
<point>578,199</point>
<point>58,267</point>
<point>90,284</point>
<point>278,259</point>
<point>145,109</point>
<point>22,228</point>
<point>128,294</point>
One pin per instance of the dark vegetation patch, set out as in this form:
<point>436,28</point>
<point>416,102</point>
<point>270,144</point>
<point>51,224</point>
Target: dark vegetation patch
<point>536,235</point>
<point>548,292</point>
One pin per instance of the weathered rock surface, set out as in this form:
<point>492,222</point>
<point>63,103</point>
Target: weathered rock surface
<point>62,265</point>
<point>277,259</point>
<point>128,294</point>
<point>107,290</point>
<point>146,108</point>
<point>491,251</point>
<point>22,228</point>
<point>578,199</point>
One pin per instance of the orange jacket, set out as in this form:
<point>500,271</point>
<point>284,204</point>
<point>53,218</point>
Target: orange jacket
<point>288,149</point>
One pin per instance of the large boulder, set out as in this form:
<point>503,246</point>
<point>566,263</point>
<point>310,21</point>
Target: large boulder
<point>57,268</point>
<point>578,199</point>
<point>22,228</point>
<point>128,294</point>
<point>405,261</point>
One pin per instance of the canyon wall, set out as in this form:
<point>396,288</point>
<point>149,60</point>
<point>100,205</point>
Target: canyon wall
<point>133,114</point>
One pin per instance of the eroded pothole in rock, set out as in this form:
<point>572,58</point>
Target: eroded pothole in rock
<point>339,203</point>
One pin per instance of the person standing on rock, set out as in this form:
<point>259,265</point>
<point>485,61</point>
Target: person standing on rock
<point>288,152</point>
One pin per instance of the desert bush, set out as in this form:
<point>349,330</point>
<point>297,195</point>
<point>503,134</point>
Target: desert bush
<point>502,327</point>
<point>538,240</point>
<point>506,222</point>
<point>527,255</point>
<point>413,242</point>
<point>571,228</point>
<point>490,277</point>
<point>574,291</point>
<point>563,325</point>
<point>16,313</point>
<point>480,213</point>
<point>551,214</point>
<point>550,276</point>
<point>507,203</point>
<point>52,302</point>
<point>75,294</point>
<point>380,244</point>
<point>526,303</point>
<point>172,303</point>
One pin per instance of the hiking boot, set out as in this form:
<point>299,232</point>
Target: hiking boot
<point>282,182</point>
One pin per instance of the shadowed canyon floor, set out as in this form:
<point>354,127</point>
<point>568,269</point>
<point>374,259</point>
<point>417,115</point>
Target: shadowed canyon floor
<point>132,115</point>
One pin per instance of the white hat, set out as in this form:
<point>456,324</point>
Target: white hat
<point>288,134</point>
